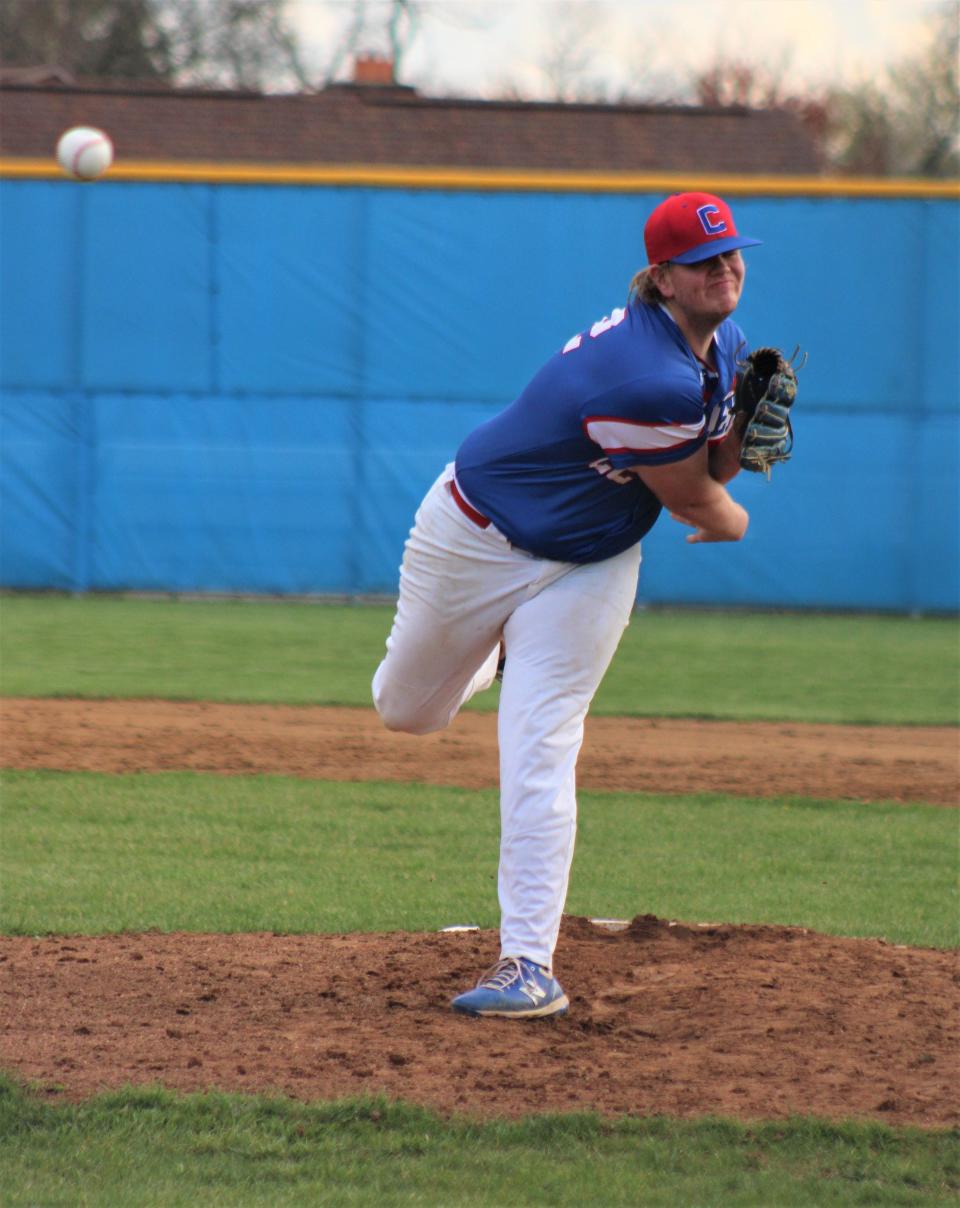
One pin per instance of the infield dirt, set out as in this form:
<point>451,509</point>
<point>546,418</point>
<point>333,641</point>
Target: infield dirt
<point>666,1018</point>
<point>761,759</point>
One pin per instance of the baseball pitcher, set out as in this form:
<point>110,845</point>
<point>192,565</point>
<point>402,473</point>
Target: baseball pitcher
<point>524,555</point>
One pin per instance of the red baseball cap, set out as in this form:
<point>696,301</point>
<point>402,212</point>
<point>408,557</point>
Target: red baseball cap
<point>688,227</point>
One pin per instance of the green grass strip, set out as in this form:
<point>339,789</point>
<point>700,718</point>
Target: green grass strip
<point>885,670</point>
<point>90,853</point>
<point>151,1147</point>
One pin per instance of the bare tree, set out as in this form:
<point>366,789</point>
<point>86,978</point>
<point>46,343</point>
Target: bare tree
<point>387,28</point>
<point>907,122</point>
<point>84,37</point>
<point>580,54</point>
<point>904,123</point>
<point>571,45</point>
<point>402,26</point>
<point>230,43</point>
<point>225,43</point>
<point>739,81</point>
<point>345,45</point>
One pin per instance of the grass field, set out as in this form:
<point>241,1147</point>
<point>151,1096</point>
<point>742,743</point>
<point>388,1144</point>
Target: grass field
<point>884,670</point>
<point>182,851</point>
<point>93,853</point>
<point>152,1148</point>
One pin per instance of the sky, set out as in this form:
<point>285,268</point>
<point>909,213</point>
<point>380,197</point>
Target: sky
<point>493,47</point>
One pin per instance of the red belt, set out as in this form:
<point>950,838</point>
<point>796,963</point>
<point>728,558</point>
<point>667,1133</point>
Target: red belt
<point>468,510</point>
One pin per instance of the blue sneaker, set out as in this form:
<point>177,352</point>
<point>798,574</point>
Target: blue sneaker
<point>515,988</point>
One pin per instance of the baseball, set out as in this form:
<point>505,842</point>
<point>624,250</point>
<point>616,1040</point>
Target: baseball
<point>84,152</point>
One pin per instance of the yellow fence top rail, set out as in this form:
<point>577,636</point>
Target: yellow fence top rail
<point>389,176</point>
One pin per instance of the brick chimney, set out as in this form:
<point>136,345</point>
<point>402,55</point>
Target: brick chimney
<point>372,69</point>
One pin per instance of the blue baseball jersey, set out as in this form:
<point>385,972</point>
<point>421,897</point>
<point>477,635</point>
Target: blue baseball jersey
<point>550,470</point>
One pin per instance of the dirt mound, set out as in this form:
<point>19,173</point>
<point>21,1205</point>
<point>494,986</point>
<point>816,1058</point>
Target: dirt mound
<point>684,1020</point>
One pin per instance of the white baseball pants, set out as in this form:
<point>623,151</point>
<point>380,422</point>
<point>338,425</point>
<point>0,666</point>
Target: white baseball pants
<point>462,589</point>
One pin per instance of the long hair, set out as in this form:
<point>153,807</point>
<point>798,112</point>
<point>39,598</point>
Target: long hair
<point>644,288</point>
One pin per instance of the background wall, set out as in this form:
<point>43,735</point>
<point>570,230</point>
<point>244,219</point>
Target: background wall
<point>244,388</point>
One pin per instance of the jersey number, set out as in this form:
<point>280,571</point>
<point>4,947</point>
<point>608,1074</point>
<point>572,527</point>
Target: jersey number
<point>604,468</point>
<point>601,325</point>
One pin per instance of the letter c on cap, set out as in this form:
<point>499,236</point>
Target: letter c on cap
<point>705,214</point>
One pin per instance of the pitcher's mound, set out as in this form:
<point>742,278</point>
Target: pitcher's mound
<point>678,1019</point>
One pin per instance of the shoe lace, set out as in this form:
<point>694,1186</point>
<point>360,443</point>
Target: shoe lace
<point>506,971</point>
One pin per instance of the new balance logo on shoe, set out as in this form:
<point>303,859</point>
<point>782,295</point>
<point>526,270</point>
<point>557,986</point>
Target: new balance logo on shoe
<point>515,988</point>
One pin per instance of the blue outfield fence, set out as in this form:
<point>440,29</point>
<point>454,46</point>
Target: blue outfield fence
<point>245,388</point>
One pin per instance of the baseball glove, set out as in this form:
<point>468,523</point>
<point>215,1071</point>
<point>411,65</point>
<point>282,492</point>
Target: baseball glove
<point>765,390</point>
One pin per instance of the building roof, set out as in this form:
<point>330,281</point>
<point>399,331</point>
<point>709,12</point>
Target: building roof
<point>375,123</point>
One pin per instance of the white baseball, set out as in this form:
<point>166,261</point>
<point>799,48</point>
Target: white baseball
<point>84,152</point>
